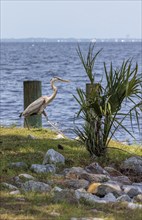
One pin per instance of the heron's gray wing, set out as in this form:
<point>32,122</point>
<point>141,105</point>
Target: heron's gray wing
<point>34,107</point>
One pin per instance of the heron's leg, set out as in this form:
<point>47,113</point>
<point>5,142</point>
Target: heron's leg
<point>56,129</point>
<point>45,114</point>
<point>27,124</point>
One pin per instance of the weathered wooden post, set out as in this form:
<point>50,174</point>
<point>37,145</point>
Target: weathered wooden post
<point>90,88</point>
<point>32,91</point>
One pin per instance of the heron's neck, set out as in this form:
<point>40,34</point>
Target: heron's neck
<point>54,92</point>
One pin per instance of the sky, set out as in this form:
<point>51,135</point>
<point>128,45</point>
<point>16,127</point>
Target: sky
<point>71,19</point>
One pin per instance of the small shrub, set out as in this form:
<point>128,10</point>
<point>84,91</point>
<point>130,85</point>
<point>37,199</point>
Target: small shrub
<point>101,109</point>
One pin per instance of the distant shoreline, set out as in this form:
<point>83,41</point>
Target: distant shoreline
<point>72,40</point>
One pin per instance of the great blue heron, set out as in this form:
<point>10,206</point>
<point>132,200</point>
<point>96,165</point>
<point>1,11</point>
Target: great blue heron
<point>37,107</point>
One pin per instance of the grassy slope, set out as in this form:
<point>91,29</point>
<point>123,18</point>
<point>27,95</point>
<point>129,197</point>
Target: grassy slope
<point>15,145</point>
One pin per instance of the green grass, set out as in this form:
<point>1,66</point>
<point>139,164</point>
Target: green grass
<point>15,146</point>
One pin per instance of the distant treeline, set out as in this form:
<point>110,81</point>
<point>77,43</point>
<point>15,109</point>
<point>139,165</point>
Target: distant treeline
<point>70,40</point>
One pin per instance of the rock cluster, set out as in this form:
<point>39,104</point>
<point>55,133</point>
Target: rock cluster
<point>133,164</point>
<point>91,183</point>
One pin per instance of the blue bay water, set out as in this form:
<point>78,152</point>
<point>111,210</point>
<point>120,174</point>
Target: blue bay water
<point>42,61</point>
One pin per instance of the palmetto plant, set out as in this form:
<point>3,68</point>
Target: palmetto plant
<point>102,110</point>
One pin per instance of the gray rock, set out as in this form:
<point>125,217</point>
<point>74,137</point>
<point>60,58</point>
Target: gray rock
<point>131,191</point>
<point>76,184</point>
<point>22,178</point>
<point>31,137</point>
<point>39,168</point>
<point>82,194</point>
<point>9,186</point>
<point>133,164</point>
<point>137,184</point>
<point>16,179</point>
<point>138,198</point>
<point>32,185</point>
<point>73,173</point>
<point>112,171</point>
<point>96,169</point>
<point>20,165</point>
<point>59,136</point>
<point>25,176</point>
<point>115,183</point>
<point>106,188</point>
<point>15,192</point>
<point>66,195</point>
<point>76,170</point>
<point>124,198</point>
<point>56,189</point>
<point>53,157</point>
<point>132,205</point>
<point>121,179</point>
<point>94,177</point>
<point>109,197</point>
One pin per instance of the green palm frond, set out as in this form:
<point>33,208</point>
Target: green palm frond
<point>88,62</point>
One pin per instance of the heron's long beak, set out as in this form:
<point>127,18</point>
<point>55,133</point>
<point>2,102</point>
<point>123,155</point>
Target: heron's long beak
<point>63,80</point>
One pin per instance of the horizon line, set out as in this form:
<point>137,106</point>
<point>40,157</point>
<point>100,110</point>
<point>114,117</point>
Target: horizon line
<point>70,39</point>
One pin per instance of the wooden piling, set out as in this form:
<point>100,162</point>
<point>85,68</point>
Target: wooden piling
<point>91,88</point>
<point>32,91</point>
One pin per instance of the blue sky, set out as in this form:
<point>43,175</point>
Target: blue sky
<point>78,19</point>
